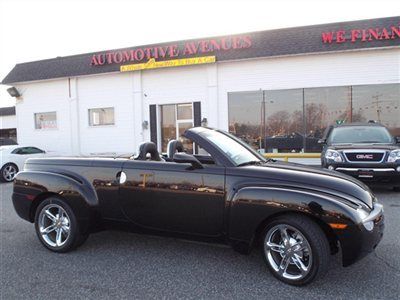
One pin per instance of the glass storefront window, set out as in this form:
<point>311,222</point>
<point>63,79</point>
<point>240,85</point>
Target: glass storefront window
<point>293,120</point>
<point>245,117</point>
<point>184,111</point>
<point>284,120</point>
<point>168,125</point>
<point>174,120</point>
<point>187,144</point>
<point>101,116</point>
<point>46,120</point>
<point>380,103</point>
<point>323,107</point>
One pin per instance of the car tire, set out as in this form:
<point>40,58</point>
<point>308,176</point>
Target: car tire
<point>8,172</point>
<point>295,249</point>
<point>57,227</point>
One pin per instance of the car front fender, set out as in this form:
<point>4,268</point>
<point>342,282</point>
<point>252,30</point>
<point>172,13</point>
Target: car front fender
<point>253,206</point>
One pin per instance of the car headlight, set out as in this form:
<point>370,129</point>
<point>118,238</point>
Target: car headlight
<point>369,225</point>
<point>394,155</point>
<point>333,155</point>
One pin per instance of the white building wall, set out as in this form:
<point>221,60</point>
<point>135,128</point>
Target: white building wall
<point>131,94</point>
<point>43,97</point>
<point>100,91</point>
<point>7,122</point>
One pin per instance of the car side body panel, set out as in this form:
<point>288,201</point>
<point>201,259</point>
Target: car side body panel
<point>89,186</point>
<point>174,197</point>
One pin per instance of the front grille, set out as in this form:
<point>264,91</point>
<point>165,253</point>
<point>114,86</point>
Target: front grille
<point>364,156</point>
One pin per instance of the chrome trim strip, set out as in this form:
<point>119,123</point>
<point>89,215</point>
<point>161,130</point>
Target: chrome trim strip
<point>366,169</point>
<point>364,150</point>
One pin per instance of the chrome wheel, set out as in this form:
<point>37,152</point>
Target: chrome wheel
<point>288,252</point>
<point>54,225</point>
<point>9,172</point>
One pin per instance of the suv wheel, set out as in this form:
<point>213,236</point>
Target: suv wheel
<point>295,249</point>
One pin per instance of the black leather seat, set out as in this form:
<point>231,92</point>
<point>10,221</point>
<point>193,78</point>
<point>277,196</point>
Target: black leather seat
<point>173,147</point>
<point>148,148</point>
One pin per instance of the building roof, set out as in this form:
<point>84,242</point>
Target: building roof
<point>7,111</point>
<point>278,42</point>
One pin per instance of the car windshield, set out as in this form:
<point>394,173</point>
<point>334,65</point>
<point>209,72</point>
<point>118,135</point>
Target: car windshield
<point>359,135</point>
<point>239,154</point>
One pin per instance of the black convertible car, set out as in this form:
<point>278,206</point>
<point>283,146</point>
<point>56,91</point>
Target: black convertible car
<point>230,194</point>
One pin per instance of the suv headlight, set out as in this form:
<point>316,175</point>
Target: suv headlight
<point>394,155</point>
<point>333,155</point>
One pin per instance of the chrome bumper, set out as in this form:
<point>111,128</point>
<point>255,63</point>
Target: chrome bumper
<point>373,217</point>
<point>366,169</point>
<point>375,213</point>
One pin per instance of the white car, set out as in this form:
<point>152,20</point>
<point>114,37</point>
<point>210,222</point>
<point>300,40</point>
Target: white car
<point>12,159</point>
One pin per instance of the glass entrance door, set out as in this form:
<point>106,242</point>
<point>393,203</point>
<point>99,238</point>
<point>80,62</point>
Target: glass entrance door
<point>174,120</point>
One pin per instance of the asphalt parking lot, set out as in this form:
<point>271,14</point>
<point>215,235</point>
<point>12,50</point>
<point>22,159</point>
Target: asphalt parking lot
<point>124,265</point>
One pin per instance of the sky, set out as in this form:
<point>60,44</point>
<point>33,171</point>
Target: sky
<point>40,29</point>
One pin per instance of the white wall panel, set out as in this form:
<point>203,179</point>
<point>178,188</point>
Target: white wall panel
<point>44,97</point>
<point>111,90</point>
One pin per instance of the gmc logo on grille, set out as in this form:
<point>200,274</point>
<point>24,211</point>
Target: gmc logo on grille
<point>364,156</point>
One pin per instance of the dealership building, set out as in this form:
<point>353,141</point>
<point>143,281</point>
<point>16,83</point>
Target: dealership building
<point>276,89</point>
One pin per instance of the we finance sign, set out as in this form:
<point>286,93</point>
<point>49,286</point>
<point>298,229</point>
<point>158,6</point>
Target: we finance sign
<point>363,35</point>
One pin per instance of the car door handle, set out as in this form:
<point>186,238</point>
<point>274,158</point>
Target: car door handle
<point>121,177</point>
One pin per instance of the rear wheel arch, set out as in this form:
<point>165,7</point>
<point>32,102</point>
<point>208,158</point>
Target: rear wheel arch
<point>36,202</point>
<point>83,212</point>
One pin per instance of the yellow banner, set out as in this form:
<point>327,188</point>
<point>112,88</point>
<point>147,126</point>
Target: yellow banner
<point>153,64</point>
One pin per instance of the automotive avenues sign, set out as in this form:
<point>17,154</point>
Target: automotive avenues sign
<point>175,51</point>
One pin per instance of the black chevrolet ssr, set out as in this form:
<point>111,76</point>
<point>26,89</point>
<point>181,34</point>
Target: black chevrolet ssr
<point>225,193</point>
<point>366,151</point>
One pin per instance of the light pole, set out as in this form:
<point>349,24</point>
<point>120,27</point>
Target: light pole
<point>378,111</point>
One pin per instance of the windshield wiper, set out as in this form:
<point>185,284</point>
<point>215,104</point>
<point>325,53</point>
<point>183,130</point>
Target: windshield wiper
<point>248,163</point>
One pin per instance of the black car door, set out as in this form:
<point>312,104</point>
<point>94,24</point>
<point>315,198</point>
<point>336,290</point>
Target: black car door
<point>174,197</point>
<point>103,176</point>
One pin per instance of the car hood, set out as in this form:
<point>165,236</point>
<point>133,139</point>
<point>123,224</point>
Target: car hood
<point>364,147</point>
<point>307,177</point>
